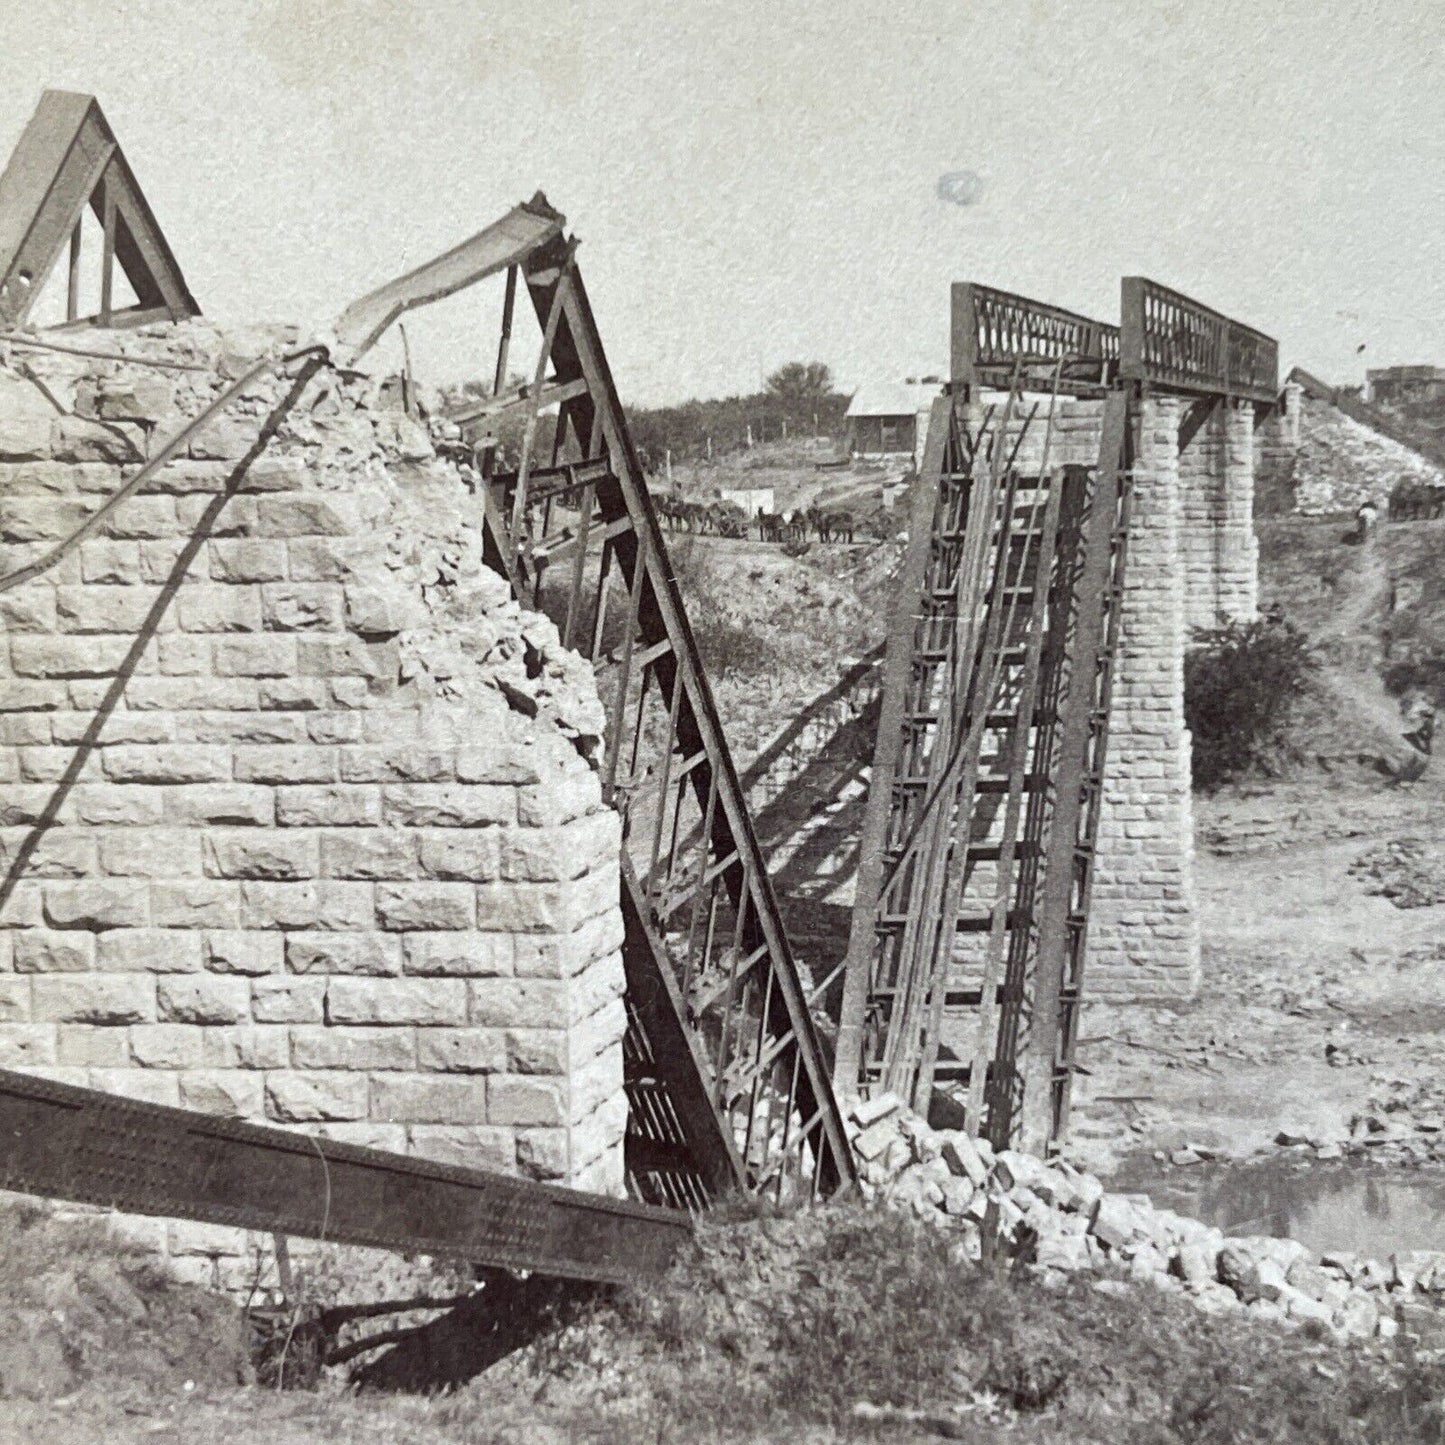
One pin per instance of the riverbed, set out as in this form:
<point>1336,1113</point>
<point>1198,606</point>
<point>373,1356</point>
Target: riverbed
<point>1363,1208</point>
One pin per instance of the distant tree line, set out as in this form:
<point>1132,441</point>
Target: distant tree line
<point>798,400</point>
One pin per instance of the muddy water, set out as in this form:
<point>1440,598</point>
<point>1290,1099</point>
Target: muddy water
<point>1342,1207</point>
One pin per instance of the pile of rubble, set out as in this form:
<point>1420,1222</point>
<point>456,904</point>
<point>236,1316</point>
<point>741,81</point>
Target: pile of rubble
<point>1410,872</point>
<point>1342,463</point>
<point>1061,1220</point>
<point>401,504</point>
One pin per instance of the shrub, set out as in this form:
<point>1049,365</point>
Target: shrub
<point>777,1328</point>
<point>1242,684</point>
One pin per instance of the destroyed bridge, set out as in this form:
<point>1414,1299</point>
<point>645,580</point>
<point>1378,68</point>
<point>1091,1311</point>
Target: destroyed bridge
<point>315,816</point>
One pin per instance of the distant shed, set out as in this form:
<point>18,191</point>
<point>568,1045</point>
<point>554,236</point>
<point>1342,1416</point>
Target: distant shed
<point>890,419</point>
<point>751,499</point>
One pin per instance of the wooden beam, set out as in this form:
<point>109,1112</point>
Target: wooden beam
<point>107,261</point>
<point>64,1142</point>
<point>141,249</point>
<point>67,159</point>
<point>126,319</point>
<point>504,344</point>
<point>72,287</point>
<point>503,244</point>
<point>1195,417</point>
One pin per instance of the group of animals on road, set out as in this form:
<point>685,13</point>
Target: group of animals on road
<point>1416,502</point>
<point>727,519</point>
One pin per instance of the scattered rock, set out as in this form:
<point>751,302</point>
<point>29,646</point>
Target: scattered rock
<point>964,1158</point>
<point>1061,1221</point>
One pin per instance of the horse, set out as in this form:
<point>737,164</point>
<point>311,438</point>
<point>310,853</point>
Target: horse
<point>670,508</point>
<point>729,519</point>
<point>770,526</point>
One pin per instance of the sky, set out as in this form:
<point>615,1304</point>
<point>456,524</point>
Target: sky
<point>754,183</point>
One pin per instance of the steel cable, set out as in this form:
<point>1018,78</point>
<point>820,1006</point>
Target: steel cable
<point>63,548</point>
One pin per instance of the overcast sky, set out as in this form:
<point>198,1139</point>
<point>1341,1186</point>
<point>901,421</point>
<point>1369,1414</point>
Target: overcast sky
<point>758,182</point>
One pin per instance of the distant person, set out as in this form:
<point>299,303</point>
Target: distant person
<point>1367,514</point>
<point>1423,734</point>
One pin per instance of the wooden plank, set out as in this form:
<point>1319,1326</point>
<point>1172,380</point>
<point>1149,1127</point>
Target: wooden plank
<point>1131,329</point>
<point>1119,500</point>
<point>49,230</point>
<point>72,282</point>
<point>887,748</point>
<point>107,251</point>
<point>34,167</point>
<point>141,247</point>
<point>555,311</point>
<point>125,320</point>
<point>963,318</point>
<point>504,342</point>
<point>82,1145</point>
<point>1017,767</point>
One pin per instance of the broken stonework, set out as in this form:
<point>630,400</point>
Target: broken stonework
<point>299,818</point>
<point>1060,1220</point>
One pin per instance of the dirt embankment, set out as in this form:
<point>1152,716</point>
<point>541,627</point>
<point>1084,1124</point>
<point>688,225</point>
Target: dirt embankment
<point>85,1315</point>
<point>841,1325</point>
<point>1321,1014</point>
<point>1375,614</point>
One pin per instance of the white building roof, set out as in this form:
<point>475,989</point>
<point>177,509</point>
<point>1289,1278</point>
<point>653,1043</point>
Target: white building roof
<point>893,398</point>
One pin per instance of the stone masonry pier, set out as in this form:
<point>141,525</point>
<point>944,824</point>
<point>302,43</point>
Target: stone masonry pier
<point>299,816</point>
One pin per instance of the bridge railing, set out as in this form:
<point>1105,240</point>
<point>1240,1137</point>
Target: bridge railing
<point>1176,343</point>
<point>995,331</point>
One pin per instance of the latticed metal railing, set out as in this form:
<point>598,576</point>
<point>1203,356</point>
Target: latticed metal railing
<point>1173,342</point>
<point>995,332</point>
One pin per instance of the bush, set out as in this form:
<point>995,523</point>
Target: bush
<point>777,1328</point>
<point>1242,684</point>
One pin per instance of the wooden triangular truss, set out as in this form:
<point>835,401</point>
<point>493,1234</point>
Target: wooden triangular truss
<point>68,159</point>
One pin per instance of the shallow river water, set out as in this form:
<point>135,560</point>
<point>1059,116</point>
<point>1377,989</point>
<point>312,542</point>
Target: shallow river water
<point>1345,1207</point>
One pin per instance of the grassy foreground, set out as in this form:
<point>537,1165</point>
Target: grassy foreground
<point>841,1325</point>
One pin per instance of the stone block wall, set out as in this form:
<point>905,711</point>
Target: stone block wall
<point>1276,445</point>
<point>1217,546</point>
<point>297,811</point>
<point>1144,928</point>
<point>1072,441</point>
